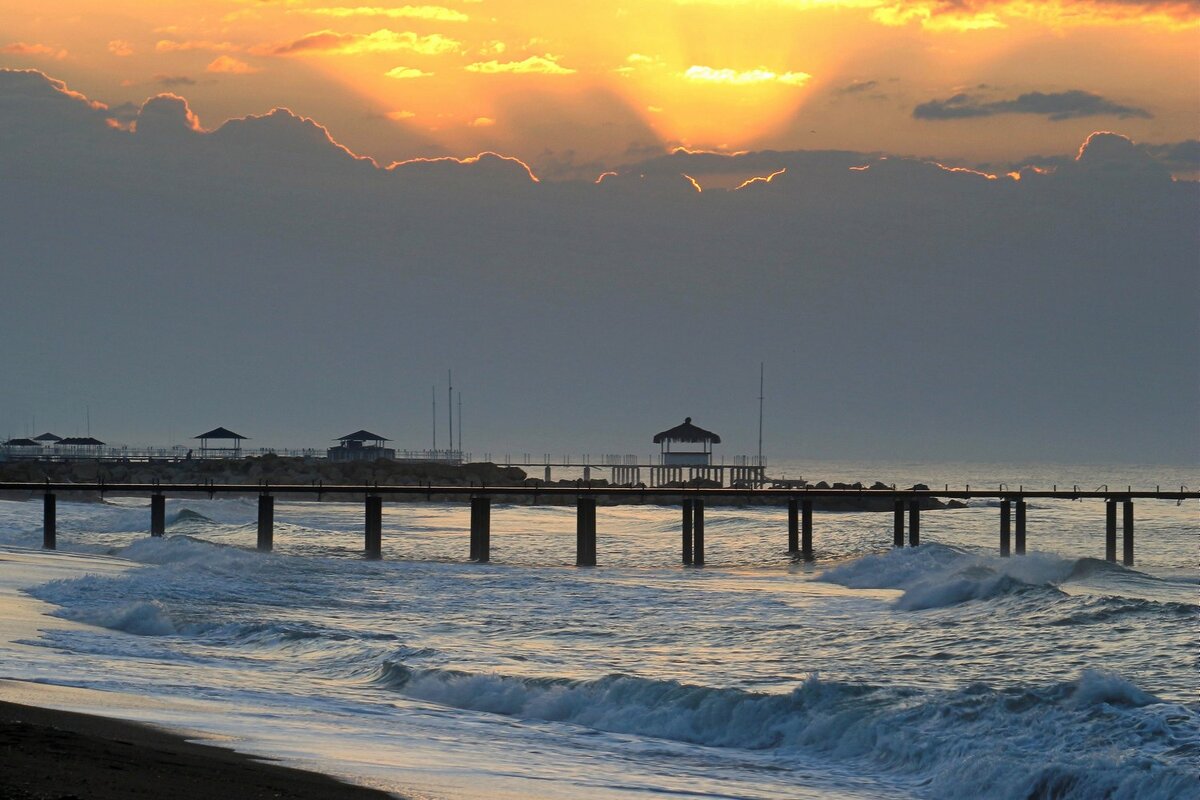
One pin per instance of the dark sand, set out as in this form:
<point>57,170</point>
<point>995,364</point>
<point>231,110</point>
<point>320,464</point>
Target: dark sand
<point>59,755</point>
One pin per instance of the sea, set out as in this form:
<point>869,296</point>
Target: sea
<point>941,671</point>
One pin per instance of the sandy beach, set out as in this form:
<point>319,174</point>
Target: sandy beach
<point>46,753</point>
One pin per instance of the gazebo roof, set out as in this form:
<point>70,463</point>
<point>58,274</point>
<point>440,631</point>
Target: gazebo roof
<point>220,433</point>
<point>47,437</point>
<point>687,432</point>
<point>362,436</point>
<point>81,441</point>
<point>21,443</point>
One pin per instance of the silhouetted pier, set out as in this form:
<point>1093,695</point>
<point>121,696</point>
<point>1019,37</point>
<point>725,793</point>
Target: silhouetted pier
<point>799,502</point>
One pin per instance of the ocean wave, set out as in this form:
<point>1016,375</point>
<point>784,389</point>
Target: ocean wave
<point>1064,741</point>
<point>938,576</point>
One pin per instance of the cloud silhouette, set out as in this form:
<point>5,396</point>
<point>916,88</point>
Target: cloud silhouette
<point>1056,106</point>
<point>902,306</point>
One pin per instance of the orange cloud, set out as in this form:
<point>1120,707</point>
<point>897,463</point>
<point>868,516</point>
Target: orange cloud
<point>230,66</point>
<point>438,13</point>
<point>406,73</point>
<point>543,65</point>
<point>26,49</point>
<point>120,48</point>
<point>733,77</point>
<point>170,46</point>
<point>482,122</point>
<point>967,15</point>
<point>381,41</point>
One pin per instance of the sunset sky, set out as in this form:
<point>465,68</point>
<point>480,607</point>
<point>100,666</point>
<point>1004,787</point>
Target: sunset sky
<point>575,88</point>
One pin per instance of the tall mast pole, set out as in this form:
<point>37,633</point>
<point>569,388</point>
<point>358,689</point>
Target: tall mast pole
<point>761,368</point>
<point>433,394</point>
<point>450,406</point>
<point>460,421</point>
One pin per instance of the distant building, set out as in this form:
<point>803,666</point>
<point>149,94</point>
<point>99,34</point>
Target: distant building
<point>361,446</point>
<point>687,445</point>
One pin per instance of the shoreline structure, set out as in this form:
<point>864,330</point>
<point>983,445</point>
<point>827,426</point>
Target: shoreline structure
<point>273,470</point>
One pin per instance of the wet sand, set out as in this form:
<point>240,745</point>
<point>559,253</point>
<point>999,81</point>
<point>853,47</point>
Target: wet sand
<point>59,755</point>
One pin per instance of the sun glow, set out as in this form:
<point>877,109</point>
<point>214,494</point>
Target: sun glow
<point>581,87</point>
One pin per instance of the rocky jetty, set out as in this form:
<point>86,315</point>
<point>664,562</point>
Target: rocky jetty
<point>279,470</point>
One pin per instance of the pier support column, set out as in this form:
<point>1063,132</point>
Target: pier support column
<point>49,522</point>
<point>374,527</point>
<point>698,532</point>
<point>914,522</point>
<point>158,515</point>
<point>806,549</point>
<point>793,526</point>
<point>1110,531</point>
<point>547,473</point>
<point>687,531</point>
<point>266,522</point>
<point>1005,527</point>
<point>898,524</point>
<point>585,532</point>
<point>481,529</point>
<point>1127,534</point>
<point>1020,549</point>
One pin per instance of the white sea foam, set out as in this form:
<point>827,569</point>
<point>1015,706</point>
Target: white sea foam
<point>936,576</point>
<point>977,741</point>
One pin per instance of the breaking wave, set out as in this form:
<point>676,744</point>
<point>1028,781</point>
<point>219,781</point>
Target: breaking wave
<point>1013,743</point>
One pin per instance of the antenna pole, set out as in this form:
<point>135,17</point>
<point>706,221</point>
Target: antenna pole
<point>460,421</point>
<point>433,394</point>
<point>761,370</point>
<point>450,406</point>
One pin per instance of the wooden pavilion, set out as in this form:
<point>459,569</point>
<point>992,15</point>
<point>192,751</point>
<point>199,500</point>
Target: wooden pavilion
<point>221,435</point>
<point>362,445</point>
<point>697,449</point>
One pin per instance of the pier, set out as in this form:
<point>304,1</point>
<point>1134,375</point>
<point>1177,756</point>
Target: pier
<point>799,504</point>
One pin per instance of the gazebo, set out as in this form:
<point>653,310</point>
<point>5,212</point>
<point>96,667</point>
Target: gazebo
<point>698,442</point>
<point>221,435</point>
<point>362,445</point>
<point>80,445</point>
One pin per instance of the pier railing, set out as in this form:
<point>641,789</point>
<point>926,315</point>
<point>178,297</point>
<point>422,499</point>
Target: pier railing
<point>906,503</point>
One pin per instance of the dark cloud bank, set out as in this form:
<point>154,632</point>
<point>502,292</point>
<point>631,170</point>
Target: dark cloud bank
<point>1055,106</point>
<point>261,277</point>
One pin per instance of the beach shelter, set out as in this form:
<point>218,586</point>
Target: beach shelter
<point>233,450</point>
<point>687,445</point>
<point>81,445</point>
<point>47,438</point>
<point>362,445</point>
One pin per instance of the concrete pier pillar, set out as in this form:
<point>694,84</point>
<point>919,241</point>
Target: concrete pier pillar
<point>687,531</point>
<point>698,532</point>
<point>1005,527</point>
<point>158,515</point>
<point>585,532</point>
<point>793,526</point>
<point>1020,548</point>
<point>374,527</point>
<point>914,522</point>
<point>898,524</point>
<point>547,473</point>
<point>49,522</point>
<point>1110,531</point>
<point>806,547</point>
<point>587,473</point>
<point>266,522</point>
<point>481,529</point>
<point>1127,534</point>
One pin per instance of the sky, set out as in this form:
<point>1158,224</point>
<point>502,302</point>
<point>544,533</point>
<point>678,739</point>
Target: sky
<point>575,89</point>
<point>951,231</point>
